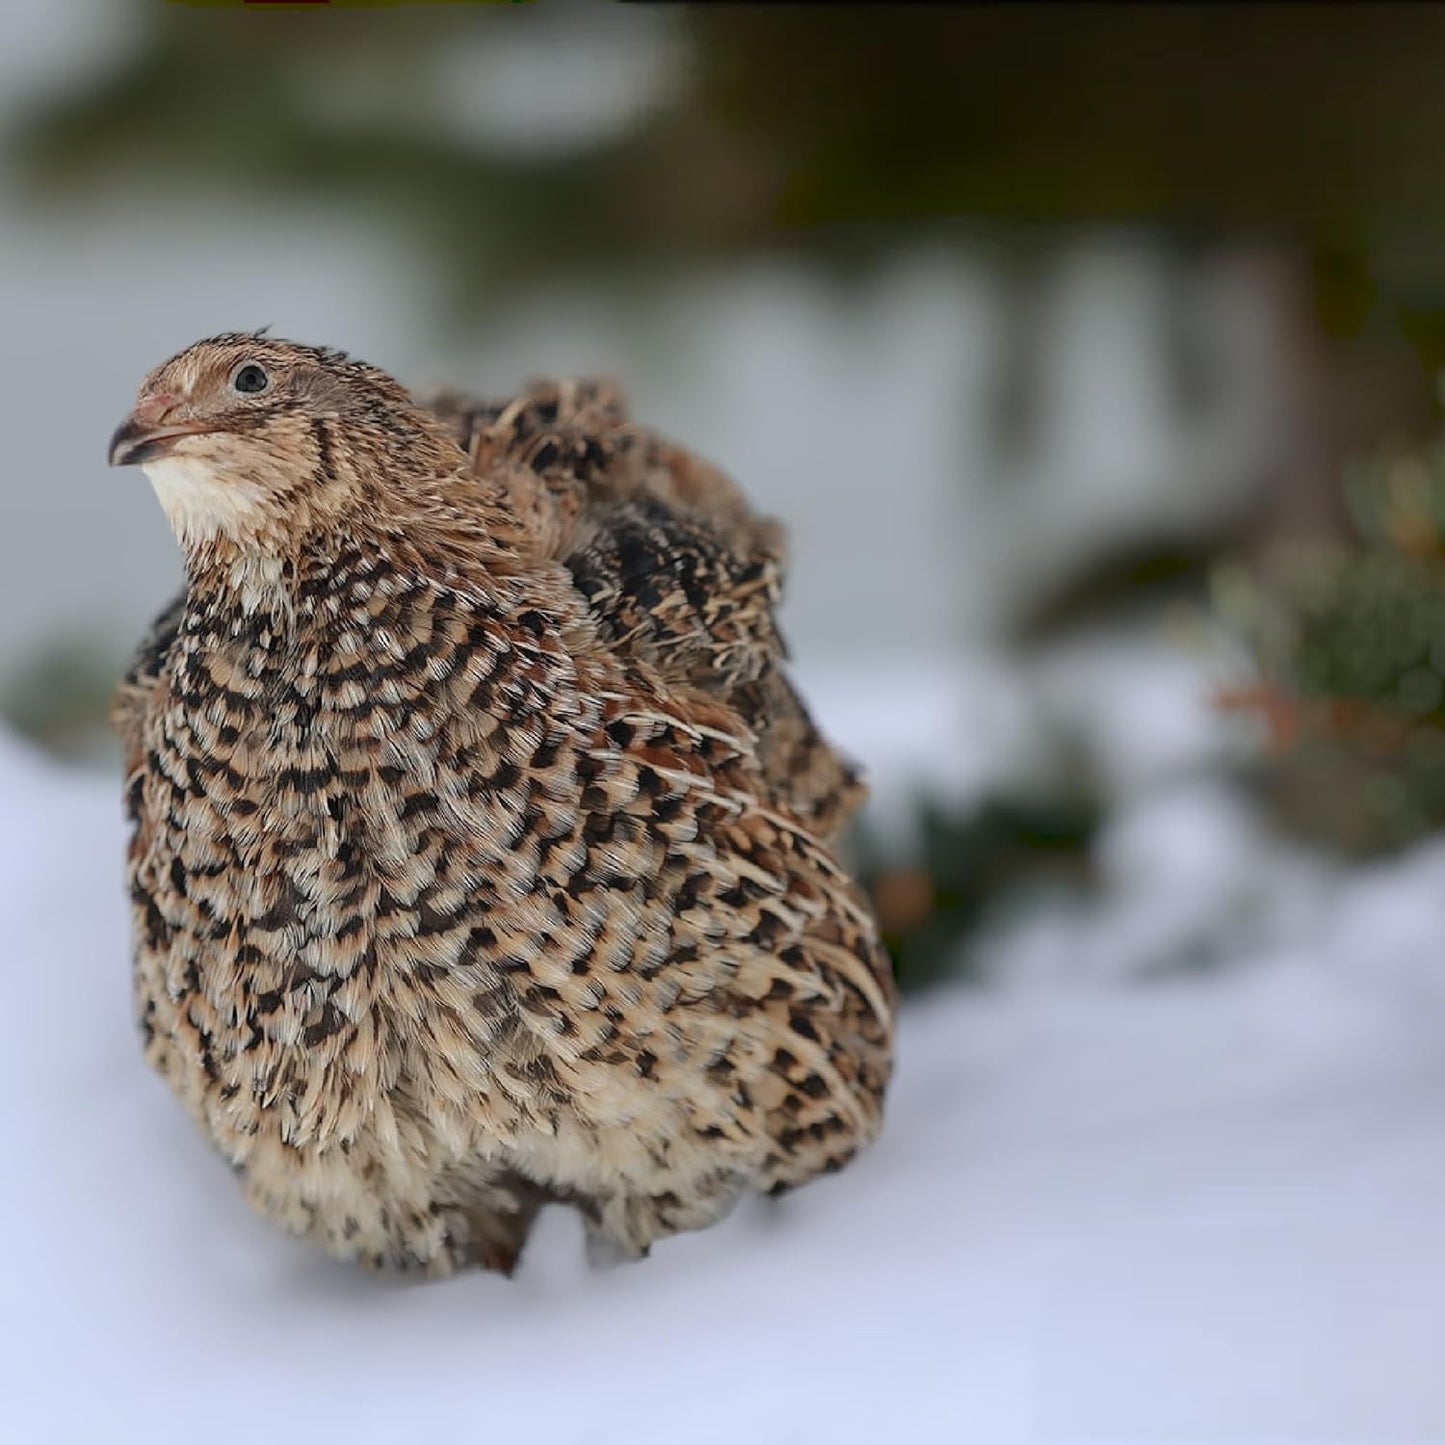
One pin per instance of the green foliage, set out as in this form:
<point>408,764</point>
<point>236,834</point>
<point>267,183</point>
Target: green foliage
<point>967,865</point>
<point>60,696</point>
<point>847,132</point>
<point>1351,644</point>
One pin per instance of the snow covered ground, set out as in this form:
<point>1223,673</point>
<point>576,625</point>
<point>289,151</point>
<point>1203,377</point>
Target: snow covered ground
<point>1205,1208</point>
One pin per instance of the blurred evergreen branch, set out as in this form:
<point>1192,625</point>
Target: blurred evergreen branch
<point>217,105</point>
<point>847,133</point>
<point>1350,641</point>
<point>967,864</point>
<point>60,696</point>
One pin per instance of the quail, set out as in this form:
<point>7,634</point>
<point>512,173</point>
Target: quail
<point>482,853</point>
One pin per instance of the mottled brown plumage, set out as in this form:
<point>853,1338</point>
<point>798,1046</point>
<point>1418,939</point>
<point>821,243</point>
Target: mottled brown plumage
<point>481,848</point>
<point>674,564</point>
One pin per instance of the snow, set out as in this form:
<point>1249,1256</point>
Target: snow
<point>1202,1207</point>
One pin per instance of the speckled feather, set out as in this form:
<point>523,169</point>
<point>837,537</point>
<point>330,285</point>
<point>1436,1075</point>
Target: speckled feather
<point>674,564</point>
<point>464,873</point>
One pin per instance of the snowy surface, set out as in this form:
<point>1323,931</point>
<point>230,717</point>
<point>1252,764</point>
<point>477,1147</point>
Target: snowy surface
<point>1203,1208</point>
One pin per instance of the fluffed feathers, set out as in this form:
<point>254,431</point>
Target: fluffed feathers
<point>480,846</point>
<point>675,565</point>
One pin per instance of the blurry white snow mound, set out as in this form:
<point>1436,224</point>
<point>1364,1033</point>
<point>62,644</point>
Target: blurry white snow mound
<point>1133,706</point>
<point>1207,1208</point>
<point>1140,703</point>
<point>1186,878</point>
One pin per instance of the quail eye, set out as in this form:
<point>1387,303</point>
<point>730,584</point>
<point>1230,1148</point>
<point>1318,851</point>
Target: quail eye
<point>250,379</point>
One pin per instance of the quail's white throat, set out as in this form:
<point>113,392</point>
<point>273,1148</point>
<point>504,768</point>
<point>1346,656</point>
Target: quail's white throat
<point>200,504</point>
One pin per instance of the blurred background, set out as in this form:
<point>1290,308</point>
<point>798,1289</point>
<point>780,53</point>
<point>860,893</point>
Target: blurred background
<point>1091,355</point>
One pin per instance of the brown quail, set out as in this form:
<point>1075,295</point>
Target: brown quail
<point>481,849</point>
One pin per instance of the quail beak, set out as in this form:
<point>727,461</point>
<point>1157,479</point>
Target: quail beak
<point>134,441</point>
